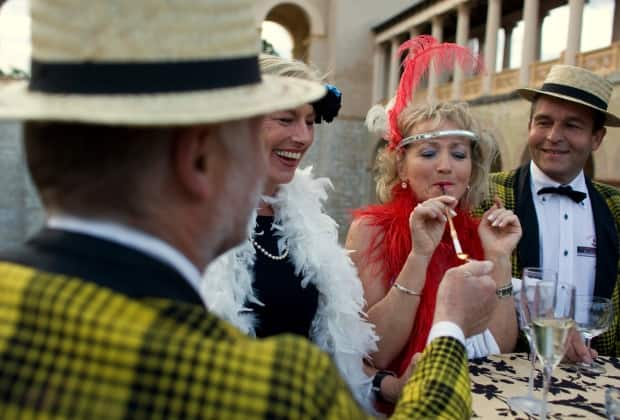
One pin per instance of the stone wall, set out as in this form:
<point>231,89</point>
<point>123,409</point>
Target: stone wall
<point>340,152</point>
<point>20,209</point>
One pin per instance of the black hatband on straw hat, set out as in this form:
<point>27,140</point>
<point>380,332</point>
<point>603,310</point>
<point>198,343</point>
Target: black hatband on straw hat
<point>101,78</point>
<point>578,85</point>
<point>575,93</point>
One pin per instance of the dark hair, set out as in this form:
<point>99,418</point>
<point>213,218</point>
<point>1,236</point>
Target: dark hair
<point>598,118</point>
<point>93,169</point>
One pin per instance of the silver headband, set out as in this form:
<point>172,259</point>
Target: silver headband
<point>437,134</point>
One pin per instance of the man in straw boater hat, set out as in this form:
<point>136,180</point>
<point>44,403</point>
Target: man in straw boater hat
<point>570,223</point>
<point>141,137</point>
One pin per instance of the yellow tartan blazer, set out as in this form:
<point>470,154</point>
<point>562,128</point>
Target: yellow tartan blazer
<point>72,348</point>
<point>514,189</point>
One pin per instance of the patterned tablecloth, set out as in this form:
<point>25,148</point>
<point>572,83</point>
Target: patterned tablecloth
<point>571,395</point>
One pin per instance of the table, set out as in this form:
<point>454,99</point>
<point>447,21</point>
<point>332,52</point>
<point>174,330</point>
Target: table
<point>571,395</point>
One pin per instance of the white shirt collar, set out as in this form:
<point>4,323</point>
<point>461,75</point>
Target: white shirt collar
<point>124,235</point>
<point>541,180</point>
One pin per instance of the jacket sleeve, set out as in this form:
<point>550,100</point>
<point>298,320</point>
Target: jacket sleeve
<point>608,343</point>
<point>440,387</point>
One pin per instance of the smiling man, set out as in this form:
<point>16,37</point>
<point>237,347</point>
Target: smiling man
<point>570,223</point>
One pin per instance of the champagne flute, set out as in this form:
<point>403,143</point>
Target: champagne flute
<point>552,318</point>
<point>612,403</point>
<point>524,301</point>
<point>593,315</point>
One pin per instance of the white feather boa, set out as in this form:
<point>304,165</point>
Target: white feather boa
<point>339,326</point>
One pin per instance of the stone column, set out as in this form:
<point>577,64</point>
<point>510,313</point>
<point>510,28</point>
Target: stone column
<point>437,27</point>
<point>462,35</point>
<point>574,31</point>
<point>615,34</point>
<point>494,11</point>
<point>507,44</point>
<point>394,74</point>
<point>437,32</point>
<point>530,39</point>
<point>541,19</point>
<point>378,74</point>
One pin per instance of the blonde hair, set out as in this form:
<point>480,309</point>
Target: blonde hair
<point>278,66</point>
<point>484,150</point>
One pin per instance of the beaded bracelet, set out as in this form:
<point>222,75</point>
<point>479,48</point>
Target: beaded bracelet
<point>406,290</point>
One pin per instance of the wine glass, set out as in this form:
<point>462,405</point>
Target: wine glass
<point>553,315</point>
<point>524,300</point>
<point>612,403</point>
<point>593,315</point>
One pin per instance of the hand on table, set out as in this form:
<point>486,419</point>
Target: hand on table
<point>576,350</point>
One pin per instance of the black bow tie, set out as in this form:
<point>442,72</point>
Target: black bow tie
<point>576,196</point>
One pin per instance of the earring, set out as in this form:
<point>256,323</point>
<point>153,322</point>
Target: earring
<point>403,185</point>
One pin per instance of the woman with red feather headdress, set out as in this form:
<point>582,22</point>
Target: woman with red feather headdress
<point>434,168</point>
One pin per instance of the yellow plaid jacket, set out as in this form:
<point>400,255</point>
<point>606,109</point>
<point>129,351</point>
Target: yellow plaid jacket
<point>514,189</point>
<point>93,347</point>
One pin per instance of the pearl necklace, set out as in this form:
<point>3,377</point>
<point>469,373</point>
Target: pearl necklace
<point>267,253</point>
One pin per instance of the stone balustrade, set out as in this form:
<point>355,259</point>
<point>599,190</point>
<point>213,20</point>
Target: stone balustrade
<point>604,61</point>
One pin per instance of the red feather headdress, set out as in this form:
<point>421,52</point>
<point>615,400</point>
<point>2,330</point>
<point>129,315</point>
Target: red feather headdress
<point>422,52</point>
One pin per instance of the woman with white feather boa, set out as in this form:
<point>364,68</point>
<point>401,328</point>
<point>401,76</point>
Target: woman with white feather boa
<point>292,276</point>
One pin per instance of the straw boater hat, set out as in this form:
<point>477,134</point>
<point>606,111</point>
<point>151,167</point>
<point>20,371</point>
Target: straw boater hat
<point>576,84</point>
<point>148,62</point>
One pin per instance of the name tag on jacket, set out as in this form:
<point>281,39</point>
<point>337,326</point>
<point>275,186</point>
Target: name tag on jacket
<point>586,251</point>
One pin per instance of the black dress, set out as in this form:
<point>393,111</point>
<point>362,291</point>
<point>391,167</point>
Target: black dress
<point>288,307</point>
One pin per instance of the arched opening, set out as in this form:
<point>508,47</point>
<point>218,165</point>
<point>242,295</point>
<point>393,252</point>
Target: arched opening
<point>293,19</point>
<point>14,39</point>
<point>276,39</point>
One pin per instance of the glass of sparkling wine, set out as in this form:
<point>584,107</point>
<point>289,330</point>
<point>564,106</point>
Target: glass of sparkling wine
<point>552,318</point>
<point>524,302</point>
<point>612,403</point>
<point>593,315</point>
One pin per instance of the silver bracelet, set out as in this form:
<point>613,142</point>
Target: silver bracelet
<point>406,290</point>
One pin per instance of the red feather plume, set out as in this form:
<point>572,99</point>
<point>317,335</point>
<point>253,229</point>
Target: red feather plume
<point>422,52</point>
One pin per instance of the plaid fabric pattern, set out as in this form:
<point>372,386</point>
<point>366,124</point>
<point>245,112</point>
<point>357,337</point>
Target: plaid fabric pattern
<point>70,349</point>
<point>608,343</point>
<point>502,184</point>
<point>440,386</point>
